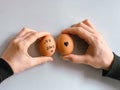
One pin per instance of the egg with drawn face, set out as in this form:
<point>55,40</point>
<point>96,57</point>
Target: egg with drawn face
<point>65,44</point>
<point>47,46</point>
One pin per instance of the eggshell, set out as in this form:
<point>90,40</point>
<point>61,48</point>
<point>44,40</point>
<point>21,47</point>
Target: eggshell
<point>47,46</point>
<point>65,44</point>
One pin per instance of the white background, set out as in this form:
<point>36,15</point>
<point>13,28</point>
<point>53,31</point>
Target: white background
<point>53,16</point>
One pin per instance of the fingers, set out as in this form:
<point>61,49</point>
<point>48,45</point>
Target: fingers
<point>34,36</point>
<point>86,27</point>
<point>24,31</point>
<point>79,31</point>
<point>88,23</point>
<point>28,36</point>
<point>40,60</point>
<point>84,59</point>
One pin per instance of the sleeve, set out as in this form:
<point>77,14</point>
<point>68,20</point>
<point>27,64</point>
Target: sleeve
<point>114,72</point>
<point>5,70</point>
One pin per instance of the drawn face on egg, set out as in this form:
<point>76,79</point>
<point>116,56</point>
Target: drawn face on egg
<point>47,46</point>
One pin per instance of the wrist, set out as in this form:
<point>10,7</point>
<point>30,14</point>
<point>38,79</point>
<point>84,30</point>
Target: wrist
<point>109,62</point>
<point>8,61</point>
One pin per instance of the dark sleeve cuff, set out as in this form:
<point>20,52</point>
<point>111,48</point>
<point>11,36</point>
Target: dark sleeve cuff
<point>114,72</point>
<point>5,70</point>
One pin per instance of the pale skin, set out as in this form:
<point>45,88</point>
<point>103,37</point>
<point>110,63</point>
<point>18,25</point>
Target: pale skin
<point>16,55</point>
<point>98,54</point>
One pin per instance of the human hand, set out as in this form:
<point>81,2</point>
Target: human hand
<point>16,55</point>
<point>98,54</point>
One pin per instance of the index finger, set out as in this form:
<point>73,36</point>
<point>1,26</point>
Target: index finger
<point>24,31</point>
<point>34,36</point>
<point>80,32</point>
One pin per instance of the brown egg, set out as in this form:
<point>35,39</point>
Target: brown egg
<point>65,44</point>
<point>47,46</point>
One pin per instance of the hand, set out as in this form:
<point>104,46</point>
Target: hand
<point>16,54</point>
<point>98,54</point>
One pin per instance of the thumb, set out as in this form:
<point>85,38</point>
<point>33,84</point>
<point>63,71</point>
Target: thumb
<point>40,60</point>
<point>77,58</point>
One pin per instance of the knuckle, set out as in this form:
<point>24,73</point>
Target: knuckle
<point>79,24</point>
<point>80,31</point>
<point>17,43</point>
<point>35,34</point>
<point>95,38</point>
<point>79,28</point>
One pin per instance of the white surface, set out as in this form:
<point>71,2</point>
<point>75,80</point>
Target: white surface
<point>52,16</point>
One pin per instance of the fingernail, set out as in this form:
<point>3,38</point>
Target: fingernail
<point>65,58</point>
<point>62,31</point>
<point>73,25</point>
<point>81,23</point>
<point>51,59</point>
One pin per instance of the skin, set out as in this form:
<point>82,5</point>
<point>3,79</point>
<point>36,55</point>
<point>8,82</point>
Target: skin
<point>16,54</point>
<point>98,54</point>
